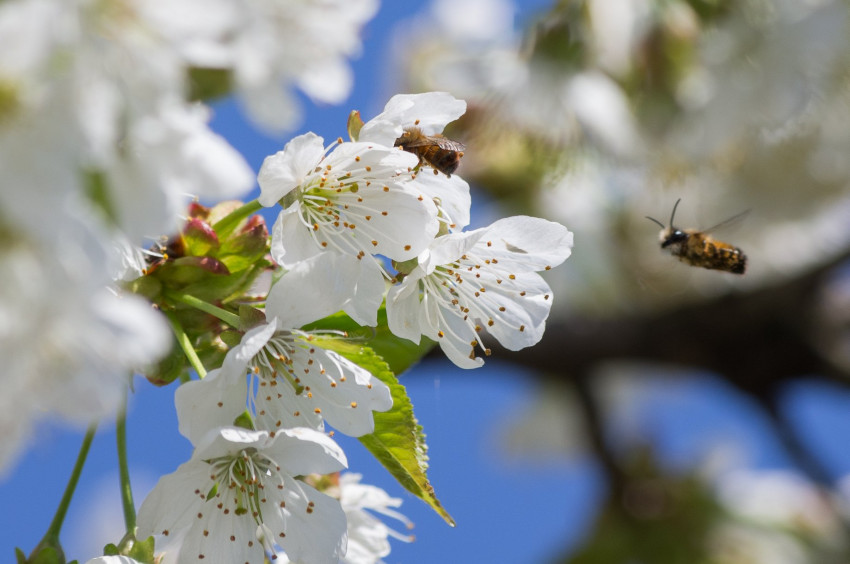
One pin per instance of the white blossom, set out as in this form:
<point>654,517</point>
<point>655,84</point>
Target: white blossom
<point>271,47</point>
<point>69,342</point>
<point>102,92</point>
<point>237,497</point>
<point>367,535</point>
<point>355,200</point>
<point>294,381</point>
<point>484,278</point>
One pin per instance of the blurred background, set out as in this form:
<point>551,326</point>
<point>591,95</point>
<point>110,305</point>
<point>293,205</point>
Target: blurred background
<point>671,414</point>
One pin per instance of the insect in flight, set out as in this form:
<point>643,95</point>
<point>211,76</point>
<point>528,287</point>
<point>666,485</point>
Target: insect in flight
<point>441,153</point>
<point>698,248</point>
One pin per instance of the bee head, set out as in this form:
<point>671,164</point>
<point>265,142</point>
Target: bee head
<point>672,236</point>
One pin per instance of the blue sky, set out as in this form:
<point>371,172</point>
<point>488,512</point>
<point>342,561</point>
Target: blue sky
<point>506,510</point>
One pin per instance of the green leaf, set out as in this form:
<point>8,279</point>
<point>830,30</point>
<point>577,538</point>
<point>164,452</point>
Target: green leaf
<point>20,556</point>
<point>400,354</point>
<point>398,441</point>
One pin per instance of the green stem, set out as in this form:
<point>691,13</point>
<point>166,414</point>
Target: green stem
<point>185,344</point>
<point>228,317</point>
<point>52,533</point>
<point>124,470</point>
<point>228,223</point>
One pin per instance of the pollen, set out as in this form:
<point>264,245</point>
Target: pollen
<point>354,404</point>
<point>407,247</point>
<point>386,188</point>
<point>374,243</point>
<point>521,328</point>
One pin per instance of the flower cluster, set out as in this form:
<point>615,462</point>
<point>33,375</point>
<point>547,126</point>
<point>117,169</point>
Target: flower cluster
<point>366,200</point>
<point>111,92</point>
<point>348,211</point>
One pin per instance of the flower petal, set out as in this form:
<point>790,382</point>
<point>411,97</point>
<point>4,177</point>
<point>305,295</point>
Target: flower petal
<point>430,111</point>
<point>325,284</point>
<point>286,169</point>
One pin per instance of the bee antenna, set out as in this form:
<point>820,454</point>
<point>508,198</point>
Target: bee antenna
<point>672,215</point>
<point>656,221</point>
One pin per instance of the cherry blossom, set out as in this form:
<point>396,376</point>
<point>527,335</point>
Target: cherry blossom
<point>481,279</point>
<point>237,498</point>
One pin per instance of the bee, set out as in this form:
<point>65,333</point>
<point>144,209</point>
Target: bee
<point>441,153</point>
<point>697,248</point>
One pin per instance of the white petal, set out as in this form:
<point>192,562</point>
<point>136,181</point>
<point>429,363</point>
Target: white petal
<point>325,284</point>
<point>346,393</point>
<point>286,169</point>
<point>453,194</point>
<point>407,228</point>
<point>448,248</point>
<point>368,295</point>
<point>113,560</point>
<point>222,537</point>
<point>528,243</point>
<point>329,82</point>
<point>458,334</point>
<point>173,504</point>
<point>302,451</point>
<point>433,110</point>
<point>270,106</point>
<point>403,308</point>
<point>317,535</point>
<point>210,403</point>
<point>292,241</point>
<point>252,342</point>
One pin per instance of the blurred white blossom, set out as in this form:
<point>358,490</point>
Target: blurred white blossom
<point>70,342</point>
<point>368,536</point>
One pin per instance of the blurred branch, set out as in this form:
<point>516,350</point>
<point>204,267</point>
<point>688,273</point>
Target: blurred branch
<point>594,420</point>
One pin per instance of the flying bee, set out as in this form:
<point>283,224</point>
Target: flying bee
<point>698,248</point>
<point>441,153</point>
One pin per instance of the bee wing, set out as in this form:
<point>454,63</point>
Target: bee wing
<point>438,140</point>
<point>449,144</point>
<point>730,221</point>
